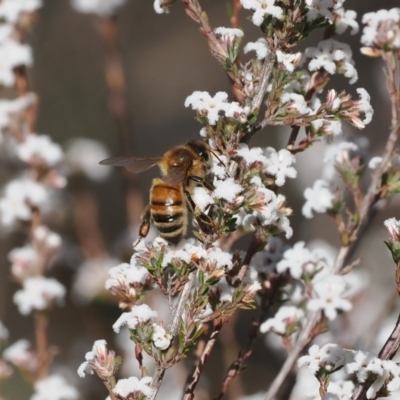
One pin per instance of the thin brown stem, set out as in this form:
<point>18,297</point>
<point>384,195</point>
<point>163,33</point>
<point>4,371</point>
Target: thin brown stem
<point>195,377</point>
<point>41,325</point>
<point>235,19</point>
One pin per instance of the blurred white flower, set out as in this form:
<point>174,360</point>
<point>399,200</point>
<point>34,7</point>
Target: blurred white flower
<point>346,19</point>
<point>319,8</point>
<point>262,9</point>
<point>54,387</point>
<point>286,316</point>
<point>38,293</point>
<point>159,9</point>
<point>11,10</point>
<point>83,155</point>
<point>24,262</point>
<point>318,198</point>
<point>127,387</point>
<point>328,295</point>
<point>46,239</point>
<point>90,278</point>
<point>10,110</point>
<point>260,47</point>
<point>19,196</point>
<point>40,149</point>
<point>12,55</point>
<point>20,355</point>
<point>374,162</point>
<point>103,8</point>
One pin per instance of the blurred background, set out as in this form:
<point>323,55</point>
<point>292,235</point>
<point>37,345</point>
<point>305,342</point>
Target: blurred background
<point>164,59</point>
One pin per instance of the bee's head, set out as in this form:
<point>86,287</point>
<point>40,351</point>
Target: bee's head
<point>200,148</point>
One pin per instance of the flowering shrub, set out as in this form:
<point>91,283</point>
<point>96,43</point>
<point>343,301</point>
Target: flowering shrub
<point>300,291</point>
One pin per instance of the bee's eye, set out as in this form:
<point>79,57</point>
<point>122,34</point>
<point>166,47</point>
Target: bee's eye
<point>203,155</point>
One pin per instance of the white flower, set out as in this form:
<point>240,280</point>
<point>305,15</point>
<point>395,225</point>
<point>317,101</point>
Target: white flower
<point>127,387</point>
<point>19,196</point>
<point>40,148</point>
<point>329,357</point>
<point>186,251</point>
<point>260,47</point>
<point>382,28</point>
<point>159,9</point>
<point>54,387</point>
<point>279,164</point>
<point>289,60</point>
<point>90,277</point>
<point>319,199</point>
<point>332,56</point>
<point>343,389</point>
<point>319,7</point>
<point>11,110</point>
<point>286,316</point>
<point>230,33</point>
<point>299,260</point>
<point>102,8</point>
<point>336,153</point>
<point>137,315</point>
<point>99,351</point>
<point>251,156</point>
<point>45,238</point>
<point>10,10</point>
<point>327,296</point>
<point>374,162</point>
<point>345,19</point>
<point>160,337</point>
<point>364,105</point>
<point>25,262</point>
<point>365,364</point>
<point>38,293</point>
<point>212,106</point>
<point>227,189</point>
<point>13,54</point>
<point>262,8</point>
<point>393,226</point>
<point>20,355</point>
<point>220,258</point>
<point>297,103</point>
<point>201,198</point>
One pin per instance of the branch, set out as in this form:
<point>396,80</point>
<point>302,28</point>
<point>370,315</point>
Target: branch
<point>195,377</point>
<point>41,324</point>
<point>172,330</point>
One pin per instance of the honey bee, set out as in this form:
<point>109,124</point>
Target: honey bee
<point>182,168</point>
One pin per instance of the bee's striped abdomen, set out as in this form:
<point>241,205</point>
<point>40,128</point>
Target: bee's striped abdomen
<point>168,210</point>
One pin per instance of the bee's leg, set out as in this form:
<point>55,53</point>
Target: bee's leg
<point>205,222</point>
<point>202,181</point>
<point>145,226</point>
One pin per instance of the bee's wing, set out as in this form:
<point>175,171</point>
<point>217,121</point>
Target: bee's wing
<point>175,176</point>
<point>132,164</point>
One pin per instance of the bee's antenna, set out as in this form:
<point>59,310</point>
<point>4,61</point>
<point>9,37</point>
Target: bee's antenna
<point>215,155</point>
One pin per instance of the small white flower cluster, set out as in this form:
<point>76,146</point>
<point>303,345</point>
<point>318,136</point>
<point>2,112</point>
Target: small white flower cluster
<point>325,291</point>
<point>382,29</point>
<point>11,11</point>
<point>127,388</point>
<point>333,57</point>
<point>38,293</point>
<point>19,198</point>
<point>318,198</point>
<point>83,155</point>
<point>54,387</point>
<point>262,9</point>
<point>212,108</point>
<point>26,260</point>
<point>102,8</point>
<point>21,356</point>
<point>384,374</point>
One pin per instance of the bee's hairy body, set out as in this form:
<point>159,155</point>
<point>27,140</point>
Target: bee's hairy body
<point>182,168</point>
<point>168,210</point>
